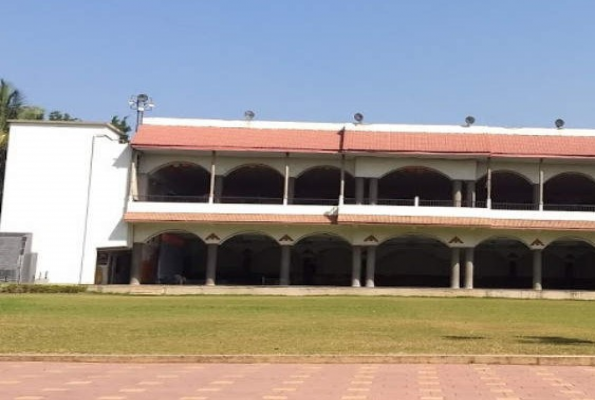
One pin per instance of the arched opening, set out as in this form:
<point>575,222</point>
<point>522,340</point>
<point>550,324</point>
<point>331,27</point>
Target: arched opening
<point>503,263</point>
<point>321,259</point>
<point>569,264</point>
<point>322,185</point>
<point>416,261</point>
<point>174,258</point>
<point>402,186</point>
<point>259,184</point>
<point>569,192</point>
<point>509,191</point>
<point>249,259</point>
<point>179,182</point>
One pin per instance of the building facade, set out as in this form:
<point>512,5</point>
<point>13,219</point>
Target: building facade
<point>271,203</point>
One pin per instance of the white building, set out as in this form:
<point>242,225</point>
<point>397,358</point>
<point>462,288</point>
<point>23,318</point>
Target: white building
<point>251,202</point>
<point>66,183</point>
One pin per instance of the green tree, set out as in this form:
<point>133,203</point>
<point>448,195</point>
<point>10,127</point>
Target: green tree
<point>11,103</point>
<point>121,123</point>
<point>59,116</point>
<point>31,113</point>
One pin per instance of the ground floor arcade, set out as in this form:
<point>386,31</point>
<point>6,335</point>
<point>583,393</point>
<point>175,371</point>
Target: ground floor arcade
<point>356,256</point>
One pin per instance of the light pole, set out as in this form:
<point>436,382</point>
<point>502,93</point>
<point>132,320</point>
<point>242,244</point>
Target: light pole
<point>140,104</point>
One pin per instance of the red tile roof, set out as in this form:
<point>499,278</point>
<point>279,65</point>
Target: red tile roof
<point>467,222</point>
<point>327,141</point>
<point>238,139</point>
<point>350,219</point>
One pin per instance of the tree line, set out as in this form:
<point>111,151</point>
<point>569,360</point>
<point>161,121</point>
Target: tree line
<point>14,106</point>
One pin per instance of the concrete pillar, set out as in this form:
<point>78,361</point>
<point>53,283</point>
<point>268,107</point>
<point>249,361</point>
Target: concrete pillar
<point>218,188</point>
<point>133,192</point>
<point>537,267</point>
<point>541,182</point>
<point>471,194</point>
<point>536,195</point>
<point>285,265</point>
<point>143,186</point>
<point>489,187</point>
<point>211,264</point>
<point>136,263</point>
<point>457,193</point>
<point>373,191</point>
<point>286,181</point>
<point>290,190</point>
<point>212,177</point>
<point>359,190</point>
<point>356,271</point>
<point>370,266</point>
<point>455,268</point>
<point>469,267</point>
<point>342,183</point>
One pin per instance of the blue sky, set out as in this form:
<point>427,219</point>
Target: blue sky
<point>507,62</point>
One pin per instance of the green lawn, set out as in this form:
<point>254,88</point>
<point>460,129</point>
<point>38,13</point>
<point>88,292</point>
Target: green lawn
<point>109,324</point>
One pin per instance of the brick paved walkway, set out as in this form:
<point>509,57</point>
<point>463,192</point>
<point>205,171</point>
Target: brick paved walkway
<point>63,381</point>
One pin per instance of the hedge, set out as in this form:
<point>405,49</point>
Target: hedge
<point>28,288</point>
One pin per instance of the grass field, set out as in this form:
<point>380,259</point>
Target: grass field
<point>109,324</point>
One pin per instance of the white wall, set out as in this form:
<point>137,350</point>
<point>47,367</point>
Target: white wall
<point>66,184</point>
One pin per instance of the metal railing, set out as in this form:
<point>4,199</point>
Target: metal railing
<point>172,198</point>
<point>311,201</point>
<point>569,207</point>
<point>415,202</point>
<point>513,206</point>
<point>251,200</point>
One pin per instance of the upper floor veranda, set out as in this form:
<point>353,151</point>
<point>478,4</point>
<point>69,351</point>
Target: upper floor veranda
<point>210,166</point>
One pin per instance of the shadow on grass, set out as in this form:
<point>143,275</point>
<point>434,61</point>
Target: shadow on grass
<point>455,337</point>
<point>553,340</point>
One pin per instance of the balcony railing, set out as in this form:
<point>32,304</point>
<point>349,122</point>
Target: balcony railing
<point>569,207</point>
<point>172,198</point>
<point>511,206</point>
<point>416,202</point>
<point>251,200</point>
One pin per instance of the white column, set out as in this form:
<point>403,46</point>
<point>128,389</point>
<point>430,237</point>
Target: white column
<point>286,181</point>
<point>134,178</point>
<point>359,190</point>
<point>471,196</point>
<point>212,181</point>
<point>370,266</point>
<point>469,267</point>
<point>356,271</point>
<point>342,186</point>
<point>285,265</point>
<point>457,193</point>
<point>373,191</point>
<point>541,182</point>
<point>489,187</point>
<point>536,201</point>
<point>211,264</point>
<point>455,268</point>
<point>537,267</point>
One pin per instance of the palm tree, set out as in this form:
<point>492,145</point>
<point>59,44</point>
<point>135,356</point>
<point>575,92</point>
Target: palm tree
<point>121,123</point>
<point>11,104</point>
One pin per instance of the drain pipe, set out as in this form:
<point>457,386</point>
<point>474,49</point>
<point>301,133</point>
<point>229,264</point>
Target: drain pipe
<point>88,204</point>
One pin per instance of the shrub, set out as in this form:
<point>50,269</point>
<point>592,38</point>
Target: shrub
<point>29,288</point>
